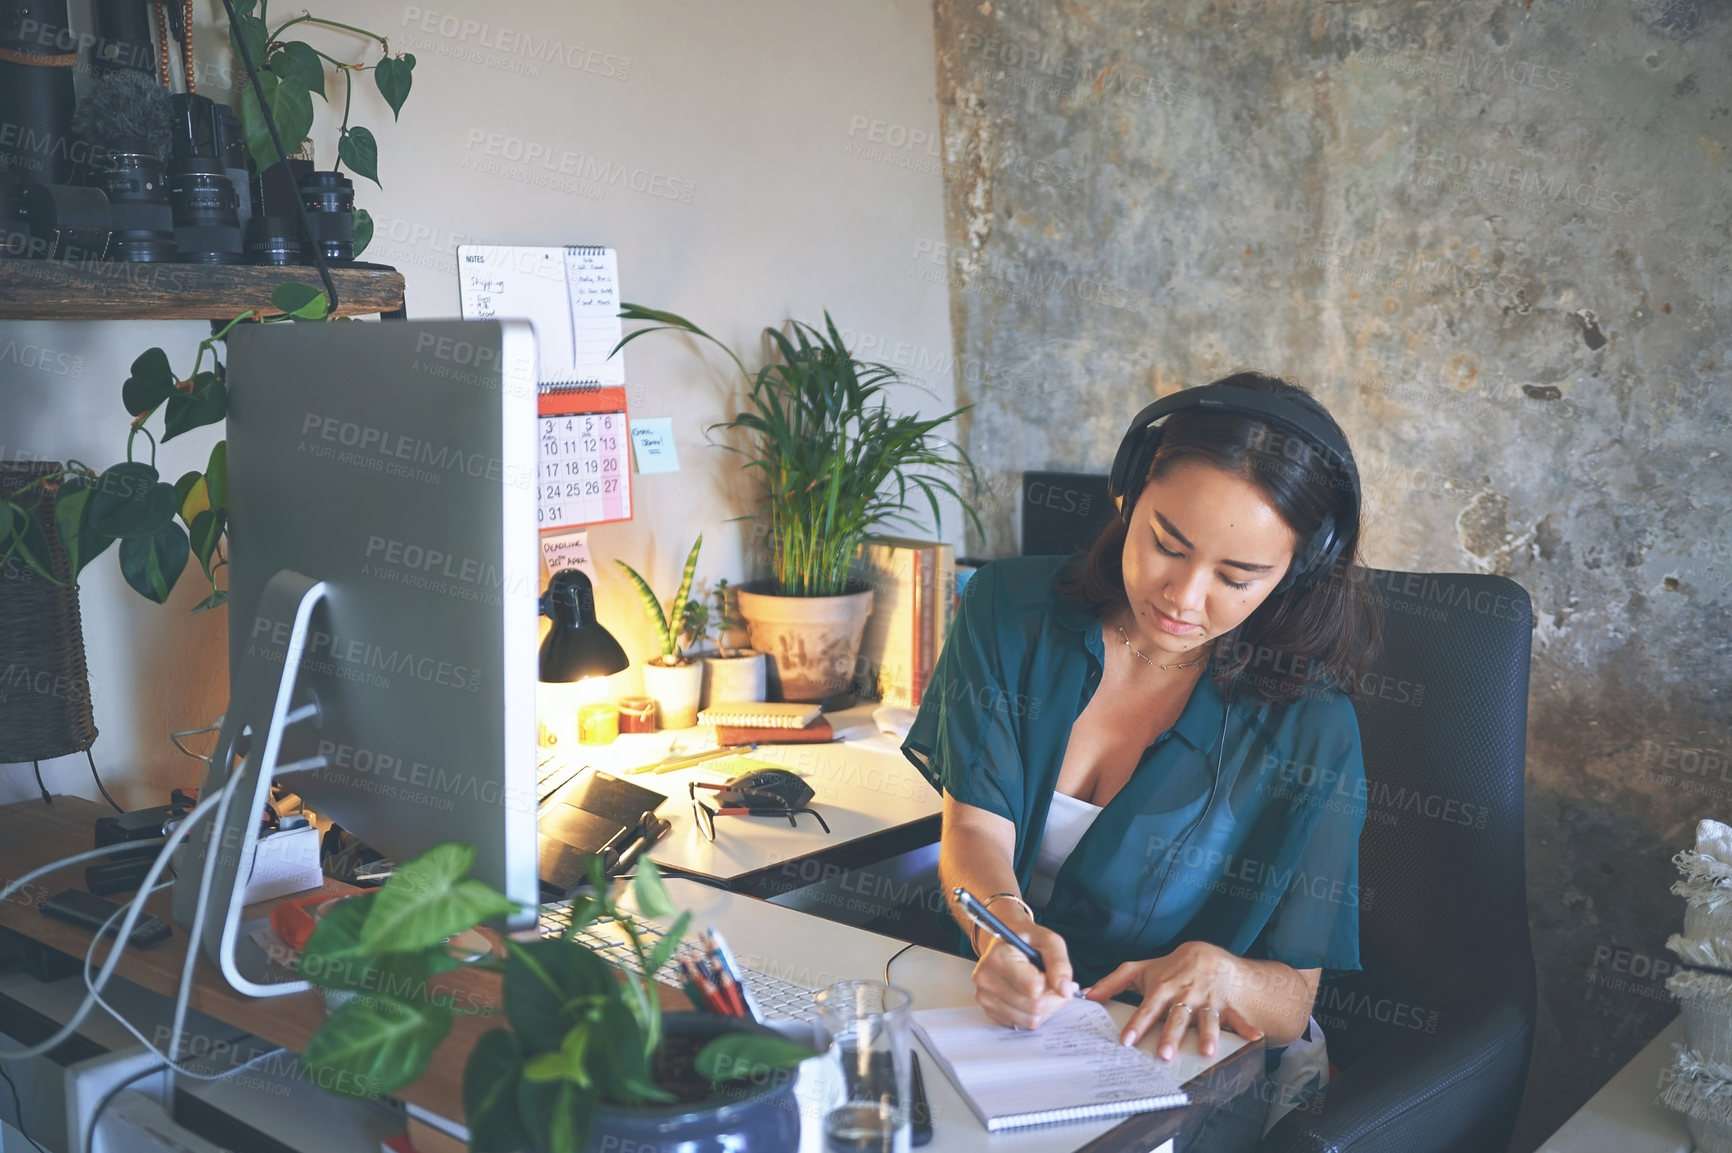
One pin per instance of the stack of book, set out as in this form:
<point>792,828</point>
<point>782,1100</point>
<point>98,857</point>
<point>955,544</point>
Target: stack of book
<point>913,583</point>
<point>766,723</point>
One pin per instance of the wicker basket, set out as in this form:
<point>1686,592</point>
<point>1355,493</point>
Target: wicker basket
<point>44,687</point>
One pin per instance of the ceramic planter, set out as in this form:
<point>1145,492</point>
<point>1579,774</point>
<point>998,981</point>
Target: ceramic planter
<point>765,1118</point>
<point>811,642</point>
<point>736,678</point>
<point>675,690</point>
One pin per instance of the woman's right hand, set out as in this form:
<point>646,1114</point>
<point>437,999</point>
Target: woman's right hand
<point>1008,986</point>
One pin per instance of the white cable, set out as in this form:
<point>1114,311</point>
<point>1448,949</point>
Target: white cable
<point>89,959</point>
<point>213,727</point>
<point>133,912</point>
<point>195,933</point>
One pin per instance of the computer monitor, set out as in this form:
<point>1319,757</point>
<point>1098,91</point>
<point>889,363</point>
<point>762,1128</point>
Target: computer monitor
<point>383,577</point>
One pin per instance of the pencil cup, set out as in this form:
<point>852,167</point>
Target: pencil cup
<point>868,1027</point>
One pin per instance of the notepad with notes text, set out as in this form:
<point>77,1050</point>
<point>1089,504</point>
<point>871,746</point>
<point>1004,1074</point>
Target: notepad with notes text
<point>1070,1069</point>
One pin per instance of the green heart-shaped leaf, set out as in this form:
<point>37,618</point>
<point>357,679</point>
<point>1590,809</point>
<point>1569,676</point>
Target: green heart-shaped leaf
<point>490,1094</point>
<point>363,230</point>
<point>374,1045</point>
<point>120,499</point>
<point>151,382</point>
<point>69,505</point>
<point>393,75</point>
<point>652,896</point>
<point>186,486</point>
<point>204,533</point>
<point>297,63</point>
<point>669,942</point>
<point>548,987</point>
<point>299,301</point>
<point>152,564</point>
<point>360,151</point>
<point>26,539</point>
<point>556,1113</point>
<point>207,403</point>
<point>429,899</point>
<point>252,31</point>
<point>216,475</point>
<point>738,1056</point>
<point>291,107</point>
<point>567,1063</point>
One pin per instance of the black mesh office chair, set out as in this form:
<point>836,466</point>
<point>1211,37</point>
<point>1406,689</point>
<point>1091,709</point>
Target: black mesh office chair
<point>1434,1034</point>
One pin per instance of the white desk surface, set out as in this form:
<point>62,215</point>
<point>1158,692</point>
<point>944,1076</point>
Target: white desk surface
<point>864,786</point>
<point>811,951</point>
<point>1625,1116</point>
<point>814,952</point>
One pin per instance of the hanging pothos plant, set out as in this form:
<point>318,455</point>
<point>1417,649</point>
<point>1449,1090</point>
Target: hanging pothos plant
<point>129,502</point>
<point>292,71</point>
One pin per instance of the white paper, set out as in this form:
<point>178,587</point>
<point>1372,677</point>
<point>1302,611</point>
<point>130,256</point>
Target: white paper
<point>653,438</point>
<point>592,284</point>
<point>563,550</point>
<point>1072,1062</point>
<point>570,296</point>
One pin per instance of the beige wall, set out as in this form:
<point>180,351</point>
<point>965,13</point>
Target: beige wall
<point>752,114</point>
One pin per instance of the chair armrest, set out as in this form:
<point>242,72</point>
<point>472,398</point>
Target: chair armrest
<point>1420,1092</point>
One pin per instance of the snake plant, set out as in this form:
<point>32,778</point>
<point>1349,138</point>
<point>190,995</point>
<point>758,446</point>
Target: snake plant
<point>669,626</point>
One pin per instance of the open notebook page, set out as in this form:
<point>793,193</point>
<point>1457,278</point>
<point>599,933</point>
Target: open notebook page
<point>1070,1069</point>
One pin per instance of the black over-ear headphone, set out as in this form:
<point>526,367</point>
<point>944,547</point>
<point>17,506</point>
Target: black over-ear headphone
<point>1313,558</point>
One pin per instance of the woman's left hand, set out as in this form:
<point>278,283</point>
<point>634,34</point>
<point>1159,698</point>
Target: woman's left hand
<point>1194,984</point>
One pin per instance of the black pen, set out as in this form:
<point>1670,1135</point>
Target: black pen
<point>982,916</point>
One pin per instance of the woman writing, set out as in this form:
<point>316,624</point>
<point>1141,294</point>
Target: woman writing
<point>1150,769</point>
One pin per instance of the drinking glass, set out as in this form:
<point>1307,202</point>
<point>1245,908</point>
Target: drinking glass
<point>868,1026</point>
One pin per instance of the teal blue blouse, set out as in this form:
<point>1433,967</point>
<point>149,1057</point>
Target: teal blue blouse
<point>1263,862</point>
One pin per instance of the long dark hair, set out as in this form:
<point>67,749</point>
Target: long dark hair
<point>1299,641</point>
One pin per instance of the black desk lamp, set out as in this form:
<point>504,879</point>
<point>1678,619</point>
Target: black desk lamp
<point>577,646</point>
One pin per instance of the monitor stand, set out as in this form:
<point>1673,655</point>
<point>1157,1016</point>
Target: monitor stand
<point>262,703</point>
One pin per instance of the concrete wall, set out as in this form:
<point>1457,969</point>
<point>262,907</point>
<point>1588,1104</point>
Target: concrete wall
<point>752,113</point>
<point>1493,238</point>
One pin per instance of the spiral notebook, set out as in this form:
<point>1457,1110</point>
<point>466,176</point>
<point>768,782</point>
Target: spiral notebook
<point>1070,1069</point>
<point>570,296</point>
<point>760,714</point>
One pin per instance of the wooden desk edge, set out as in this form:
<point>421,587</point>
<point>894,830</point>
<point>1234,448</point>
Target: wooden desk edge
<point>33,834</point>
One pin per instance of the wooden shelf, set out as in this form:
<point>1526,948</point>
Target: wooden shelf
<point>126,290</point>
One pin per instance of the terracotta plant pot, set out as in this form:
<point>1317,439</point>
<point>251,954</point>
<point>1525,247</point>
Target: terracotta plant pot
<point>812,642</point>
<point>742,677</point>
<point>675,690</point>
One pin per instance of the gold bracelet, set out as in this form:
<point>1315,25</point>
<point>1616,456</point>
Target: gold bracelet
<point>1029,911</point>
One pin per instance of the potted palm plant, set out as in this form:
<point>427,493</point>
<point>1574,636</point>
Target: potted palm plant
<point>836,464</point>
<point>673,680</point>
<point>584,1057</point>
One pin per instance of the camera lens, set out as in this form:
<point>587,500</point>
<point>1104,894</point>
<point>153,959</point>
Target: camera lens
<point>202,197</point>
<point>329,198</point>
<point>36,93</point>
<point>273,240</point>
<point>230,147</point>
<point>14,227</point>
<point>143,222</point>
<point>68,221</point>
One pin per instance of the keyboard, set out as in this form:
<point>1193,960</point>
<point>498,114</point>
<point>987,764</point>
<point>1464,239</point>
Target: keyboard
<point>552,773</point>
<point>776,998</point>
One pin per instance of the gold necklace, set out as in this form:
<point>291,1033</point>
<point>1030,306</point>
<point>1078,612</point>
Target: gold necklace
<point>1126,640</point>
